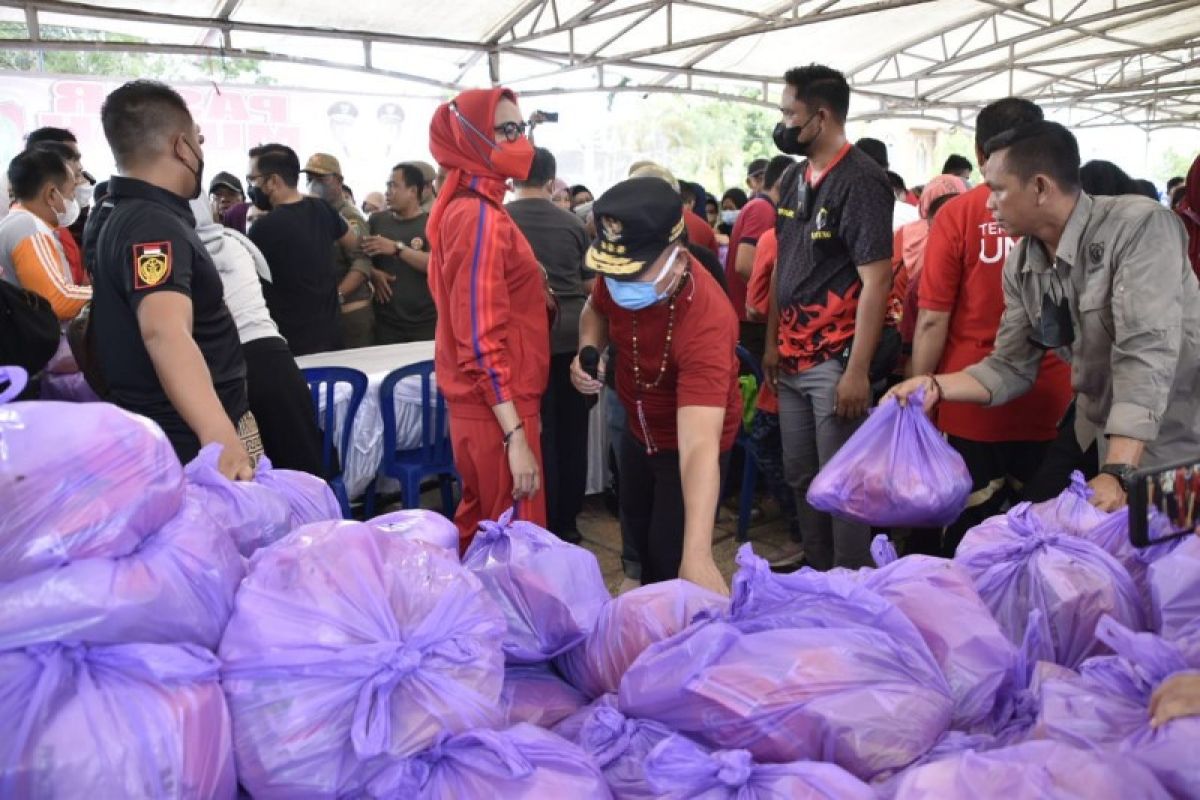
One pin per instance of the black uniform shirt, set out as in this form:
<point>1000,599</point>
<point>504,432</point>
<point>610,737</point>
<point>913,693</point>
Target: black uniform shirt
<point>145,243</point>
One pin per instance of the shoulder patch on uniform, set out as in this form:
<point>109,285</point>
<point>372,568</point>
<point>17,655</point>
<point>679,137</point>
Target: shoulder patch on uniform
<point>151,264</point>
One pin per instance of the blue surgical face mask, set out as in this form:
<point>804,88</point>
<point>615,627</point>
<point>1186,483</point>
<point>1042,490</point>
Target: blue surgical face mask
<point>636,295</point>
<point>729,216</point>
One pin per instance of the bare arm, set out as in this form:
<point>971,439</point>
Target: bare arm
<point>744,264</point>
<point>593,331</point>
<point>417,259</point>
<point>853,395</point>
<point>770,362</point>
<point>699,434</point>
<point>165,322</point>
<point>929,342</point>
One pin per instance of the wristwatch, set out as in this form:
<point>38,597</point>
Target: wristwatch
<point>1122,472</point>
<point>399,247</point>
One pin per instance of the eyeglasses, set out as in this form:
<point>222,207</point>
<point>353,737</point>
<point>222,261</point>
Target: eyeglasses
<point>512,130</point>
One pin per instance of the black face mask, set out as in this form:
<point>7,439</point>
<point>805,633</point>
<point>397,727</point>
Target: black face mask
<point>1055,328</point>
<point>788,139</point>
<point>258,197</point>
<point>198,172</point>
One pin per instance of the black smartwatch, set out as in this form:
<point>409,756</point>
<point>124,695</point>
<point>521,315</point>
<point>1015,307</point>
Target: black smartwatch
<point>1122,472</point>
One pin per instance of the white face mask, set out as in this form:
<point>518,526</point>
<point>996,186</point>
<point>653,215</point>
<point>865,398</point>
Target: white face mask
<point>83,194</point>
<point>70,212</point>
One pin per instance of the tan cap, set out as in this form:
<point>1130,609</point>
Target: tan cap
<point>652,170</point>
<point>322,164</point>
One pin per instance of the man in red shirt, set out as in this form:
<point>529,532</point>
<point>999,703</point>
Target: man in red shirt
<point>961,301</point>
<point>675,336</point>
<point>492,342</point>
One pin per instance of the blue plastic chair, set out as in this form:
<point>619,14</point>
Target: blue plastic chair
<point>433,456</point>
<point>749,463</point>
<point>322,383</point>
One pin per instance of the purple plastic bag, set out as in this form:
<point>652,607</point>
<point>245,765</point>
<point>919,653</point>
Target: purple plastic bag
<point>1106,706</point>
<point>678,769</point>
<point>550,592</point>
<point>629,624</point>
<point>79,481</point>
<point>177,587</point>
<point>1175,590</point>
<point>1018,566</point>
<point>533,693</point>
<point>521,763</point>
<point>896,470</point>
<point>308,497</point>
<point>420,525</point>
<point>619,744</point>
<point>136,720</point>
<point>253,514</point>
<point>853,696</point>
<point>974,654</point>
<point>1031,771</point>
<point>348,646</point>
<point>1071,512</point>
<point>69,387</point>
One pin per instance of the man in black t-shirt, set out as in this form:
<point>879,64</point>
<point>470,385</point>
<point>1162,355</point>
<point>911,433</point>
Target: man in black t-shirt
<point>166,344</point>
<point>297,238</point>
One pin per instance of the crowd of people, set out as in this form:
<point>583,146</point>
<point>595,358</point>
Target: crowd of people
<point>1048,314</point>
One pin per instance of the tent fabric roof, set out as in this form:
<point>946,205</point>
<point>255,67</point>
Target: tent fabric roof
<point>1109,62</point>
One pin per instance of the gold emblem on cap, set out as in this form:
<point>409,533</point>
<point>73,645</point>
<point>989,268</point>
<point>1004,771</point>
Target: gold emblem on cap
<point>613,228</point>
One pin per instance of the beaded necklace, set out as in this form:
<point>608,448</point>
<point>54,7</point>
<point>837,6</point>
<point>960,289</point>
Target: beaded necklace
<point>638,383</point>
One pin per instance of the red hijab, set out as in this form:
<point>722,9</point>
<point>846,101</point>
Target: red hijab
<point>1189,211</point>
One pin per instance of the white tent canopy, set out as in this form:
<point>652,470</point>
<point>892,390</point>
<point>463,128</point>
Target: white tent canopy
<point>1111,62</point>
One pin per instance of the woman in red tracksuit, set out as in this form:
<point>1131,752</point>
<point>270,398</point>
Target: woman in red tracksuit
<point>492,343</point>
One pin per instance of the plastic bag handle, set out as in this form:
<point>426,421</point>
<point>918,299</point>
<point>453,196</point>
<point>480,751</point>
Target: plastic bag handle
<point>17,379</point>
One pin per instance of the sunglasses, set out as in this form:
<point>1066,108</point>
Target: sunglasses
<point>513,130</point>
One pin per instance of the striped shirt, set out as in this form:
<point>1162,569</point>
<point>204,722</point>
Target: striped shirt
<point>32,257</point>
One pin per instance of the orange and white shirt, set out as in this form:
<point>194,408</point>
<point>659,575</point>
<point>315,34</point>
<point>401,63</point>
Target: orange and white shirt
<point>32,257</point>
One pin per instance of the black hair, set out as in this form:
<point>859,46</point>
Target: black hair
<point>1177,195</point>
<point>543,169</point>
<point>139,116</point>
<point>775,169</point>
<point>413,177</point>
<point>60,149</point>
<point>347,190</point>
<point>1045,148</point>
<point>877,150</point>
<point>936,205</point>
<point>817,85</point>
<point>756,167</point>
<point>48,134</point>
<point>956,164</point>
<point>898,184</point>
<point>1176,181</point>
<point>737,196</point>
<point>1003,115</point>
<point>278,159</point>
<point>29,171</point>
<point>579,188</point>
<point>1146,188</point>
<point>710,200</point>
<point>1105,179</point>
<point>688,190</point>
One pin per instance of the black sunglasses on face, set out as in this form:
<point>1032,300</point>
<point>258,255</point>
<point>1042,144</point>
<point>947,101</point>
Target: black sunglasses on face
<point>512,130</point>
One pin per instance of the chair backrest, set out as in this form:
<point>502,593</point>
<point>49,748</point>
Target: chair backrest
<point>322,383</point>
<point>750,364</point>
<point>435,441</point>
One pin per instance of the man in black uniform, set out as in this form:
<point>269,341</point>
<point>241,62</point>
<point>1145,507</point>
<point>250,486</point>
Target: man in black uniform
<point>166,344</point>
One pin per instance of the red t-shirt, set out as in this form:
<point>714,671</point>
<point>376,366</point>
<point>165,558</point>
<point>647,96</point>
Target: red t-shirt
<point>758,297</point>
<point>964,261</point>
<point>699,231</point>
<point>702,368</point>
<point>757,217</point>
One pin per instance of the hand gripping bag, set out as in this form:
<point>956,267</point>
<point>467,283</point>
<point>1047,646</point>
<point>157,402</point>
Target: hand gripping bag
<point>1106,707</point>
<point>678,769</point>
<point>535,694</point>
<point>1071,512</point>
<point>80,480</point>
<point>1037,770</point>
<point>1175,590</point>
<point>176,587</point>
<point>348,646</point>
<point>135,720</point>
<point>619,744</point>
<point>523,762</point>
<point>420,525</point>
<point>1017,565</point>
<point>976,657</point>
<point>896,470</point>
<point>253,514</point>
<point>551,592</point>
<point>629,624</point>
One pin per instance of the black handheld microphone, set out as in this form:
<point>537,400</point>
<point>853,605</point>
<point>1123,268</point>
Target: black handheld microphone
<point>589,362</point>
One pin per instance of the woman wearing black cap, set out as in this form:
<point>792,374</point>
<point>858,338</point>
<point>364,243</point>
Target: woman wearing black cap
<point>675,335</point>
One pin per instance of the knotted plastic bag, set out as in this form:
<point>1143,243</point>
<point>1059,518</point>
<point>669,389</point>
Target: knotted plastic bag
<point>619,744</point>
<point>1175,590</point>
<point>1105,707</point>
<point>177,587</point>
<point>896,470</point>
<point>629,624</point>
<point>677,769</point>
<point>550,592</point>
<point>420,525</point>
<point>254,515</point>
<point>521,763</point>
<point>78,481</point>
<point>135,720</point>
<point>974,654</point>
<point>1038,770</point>
<point>1018,565</point>
<point>535,694</point>
<point>308,497</point>
<point>348,646</point>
